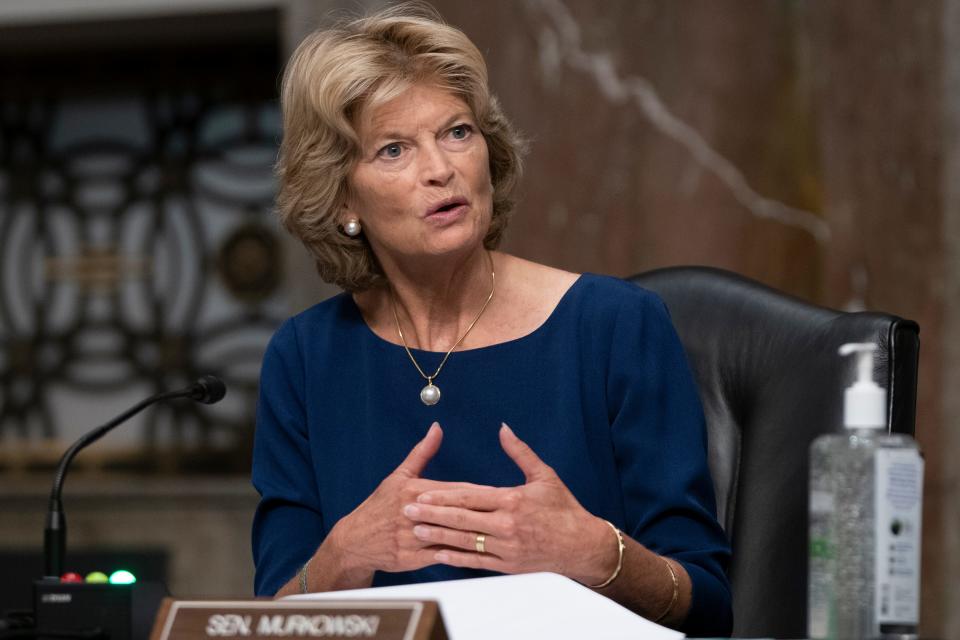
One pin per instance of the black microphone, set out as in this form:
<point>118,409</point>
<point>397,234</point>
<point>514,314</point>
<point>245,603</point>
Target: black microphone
<point>208,389</point>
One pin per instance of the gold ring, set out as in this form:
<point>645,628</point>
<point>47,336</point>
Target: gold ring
<point>481,539</point>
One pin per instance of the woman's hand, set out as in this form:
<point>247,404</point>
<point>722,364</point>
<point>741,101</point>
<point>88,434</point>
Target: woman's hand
<point>538,526</point>
<point>377,536</point>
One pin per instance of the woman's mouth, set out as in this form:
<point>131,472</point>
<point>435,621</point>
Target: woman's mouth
<point>447,209</point>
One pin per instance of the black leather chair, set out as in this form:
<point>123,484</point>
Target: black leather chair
<point>771,381</point>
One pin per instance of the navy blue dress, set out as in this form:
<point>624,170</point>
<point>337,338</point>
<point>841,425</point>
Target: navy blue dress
<point>601,391</point>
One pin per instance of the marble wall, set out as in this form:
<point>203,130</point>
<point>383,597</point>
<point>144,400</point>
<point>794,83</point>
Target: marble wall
<point>809,145</point>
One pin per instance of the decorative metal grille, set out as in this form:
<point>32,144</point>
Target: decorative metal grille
<point>137,252</point>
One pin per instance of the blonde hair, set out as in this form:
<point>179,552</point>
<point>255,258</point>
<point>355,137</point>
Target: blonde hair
<point>331,78</point>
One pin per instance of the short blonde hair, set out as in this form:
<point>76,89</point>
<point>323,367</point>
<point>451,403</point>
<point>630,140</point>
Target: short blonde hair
<point>331,78</point>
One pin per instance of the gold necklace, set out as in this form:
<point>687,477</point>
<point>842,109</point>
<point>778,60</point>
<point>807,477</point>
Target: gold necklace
<point>430,394</point>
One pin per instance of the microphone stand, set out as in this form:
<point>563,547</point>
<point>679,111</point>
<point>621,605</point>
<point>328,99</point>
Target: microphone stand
<point>207,390</point>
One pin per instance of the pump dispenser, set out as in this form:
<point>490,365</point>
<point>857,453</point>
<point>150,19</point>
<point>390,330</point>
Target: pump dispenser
<point>864,402</point>
<point>866,488</point>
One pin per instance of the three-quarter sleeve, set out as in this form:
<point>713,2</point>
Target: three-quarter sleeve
<point>287,526</point>
<point>660,447</point>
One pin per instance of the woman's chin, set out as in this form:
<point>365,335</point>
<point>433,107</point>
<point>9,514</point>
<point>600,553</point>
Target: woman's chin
<point>456,252</point>
<point>453,241</point>
<point>451,250</point>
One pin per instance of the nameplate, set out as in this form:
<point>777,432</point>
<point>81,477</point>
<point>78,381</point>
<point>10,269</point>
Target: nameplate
<point>238,619</point>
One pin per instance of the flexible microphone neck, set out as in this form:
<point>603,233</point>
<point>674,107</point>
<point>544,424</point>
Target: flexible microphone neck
<point>207,390</point>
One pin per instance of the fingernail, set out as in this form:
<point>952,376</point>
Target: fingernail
<point>411,511</point>
<point>503,425</point>
<point>424,498</point>
<point>441,557</point>
<point>421,532</point>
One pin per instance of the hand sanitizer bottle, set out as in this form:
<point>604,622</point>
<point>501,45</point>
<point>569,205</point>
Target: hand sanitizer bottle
<point>866,491</point>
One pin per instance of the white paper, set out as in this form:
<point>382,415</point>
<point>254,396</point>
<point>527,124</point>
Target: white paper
<point>533,605</point>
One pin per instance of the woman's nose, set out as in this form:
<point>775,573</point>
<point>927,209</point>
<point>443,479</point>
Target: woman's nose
<point>436,168</point>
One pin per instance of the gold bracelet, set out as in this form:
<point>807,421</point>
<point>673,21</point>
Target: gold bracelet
<point>620,548</point>
<point>302,574</point>
<point>676,590</point>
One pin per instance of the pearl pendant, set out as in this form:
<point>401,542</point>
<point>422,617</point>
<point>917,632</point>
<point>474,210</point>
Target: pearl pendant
<point>430,394</point>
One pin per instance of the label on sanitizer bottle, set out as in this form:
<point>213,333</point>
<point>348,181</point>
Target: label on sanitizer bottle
<point>898,499</point>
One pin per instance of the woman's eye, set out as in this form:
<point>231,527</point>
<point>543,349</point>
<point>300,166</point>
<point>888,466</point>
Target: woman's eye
<point>461,131</point>
<point>392,150</point>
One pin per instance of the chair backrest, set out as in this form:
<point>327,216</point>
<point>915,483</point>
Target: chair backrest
<point>771,381</point>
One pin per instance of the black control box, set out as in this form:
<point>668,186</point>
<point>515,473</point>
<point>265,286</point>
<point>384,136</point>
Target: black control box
<point>119,611</point>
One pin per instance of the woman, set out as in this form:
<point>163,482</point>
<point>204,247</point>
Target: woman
<point>383,453</point>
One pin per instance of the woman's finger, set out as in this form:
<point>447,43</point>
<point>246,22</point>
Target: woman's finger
<point>421,454</point>
<point>472,560</point>
<point>466,540</point>
<point>454,518</point>
<point>487,499</point>
<point>530,464</point>
<point>418,559</point>
<point>424,485</point>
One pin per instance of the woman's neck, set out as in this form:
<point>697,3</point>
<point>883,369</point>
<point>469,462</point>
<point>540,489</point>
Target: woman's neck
<point>434,304</point>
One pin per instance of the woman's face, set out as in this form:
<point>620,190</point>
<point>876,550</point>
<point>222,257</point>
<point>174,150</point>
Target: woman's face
<point>421,187</point>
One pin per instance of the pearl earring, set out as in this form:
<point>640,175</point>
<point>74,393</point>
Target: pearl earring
<point>352,227</point>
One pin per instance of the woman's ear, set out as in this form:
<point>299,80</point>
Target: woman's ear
<point>346,212</point>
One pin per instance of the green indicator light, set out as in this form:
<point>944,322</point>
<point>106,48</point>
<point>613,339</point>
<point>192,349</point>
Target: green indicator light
<point>97,577</point>
<point>122,577</point>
